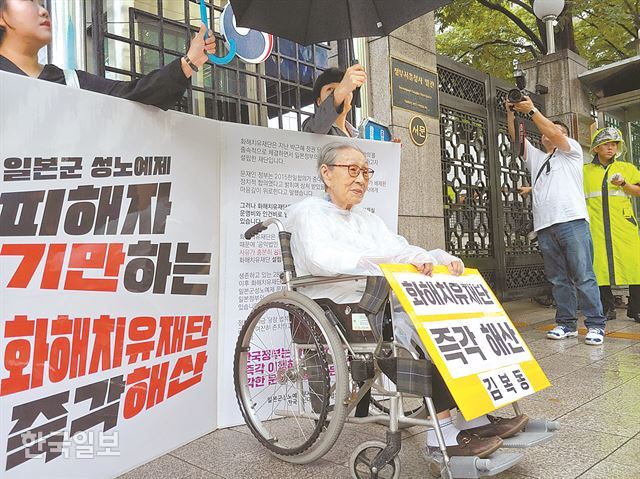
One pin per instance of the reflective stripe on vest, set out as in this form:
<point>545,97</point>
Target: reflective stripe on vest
<point>598,194</point>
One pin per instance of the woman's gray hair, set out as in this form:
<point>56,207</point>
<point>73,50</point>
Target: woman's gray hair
<point>329,154</point>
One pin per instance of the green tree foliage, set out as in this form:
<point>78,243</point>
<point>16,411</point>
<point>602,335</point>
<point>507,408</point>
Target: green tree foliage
<point>607,31</point>
<point>490,34</point>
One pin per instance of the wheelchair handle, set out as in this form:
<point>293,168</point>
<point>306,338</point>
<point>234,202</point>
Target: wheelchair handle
<point>263,225</point>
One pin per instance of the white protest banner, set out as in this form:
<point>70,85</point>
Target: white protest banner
<point>476,344</point>
<point>108,281</point>
<point>265,171</point>
<point>467,334</point>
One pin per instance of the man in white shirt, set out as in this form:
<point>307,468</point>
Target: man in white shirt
<point>561,222</point>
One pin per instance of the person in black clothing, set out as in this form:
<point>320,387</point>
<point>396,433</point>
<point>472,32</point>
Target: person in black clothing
<point>333,93</point>
<point>25,27</point>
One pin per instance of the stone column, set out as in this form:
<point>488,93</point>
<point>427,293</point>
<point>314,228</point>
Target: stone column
<point>421,213</point>
<point>567,100</point>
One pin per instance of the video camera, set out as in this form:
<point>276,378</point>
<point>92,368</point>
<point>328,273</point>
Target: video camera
<point>516,95</point>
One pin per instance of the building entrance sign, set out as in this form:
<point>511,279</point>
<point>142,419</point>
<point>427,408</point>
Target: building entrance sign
<point>413,88</point>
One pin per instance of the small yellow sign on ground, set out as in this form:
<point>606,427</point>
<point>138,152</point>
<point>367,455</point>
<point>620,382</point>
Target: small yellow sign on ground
<point>469,337</point>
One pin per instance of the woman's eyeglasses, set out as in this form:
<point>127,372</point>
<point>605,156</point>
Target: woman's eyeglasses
<point>355,170</point>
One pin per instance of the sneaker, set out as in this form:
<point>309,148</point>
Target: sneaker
<point>595,336</point>
<point>502,427</point>
<point>610,315</point>
<point>470,445</point>
<point>635,317</point>
<point>561,332</point>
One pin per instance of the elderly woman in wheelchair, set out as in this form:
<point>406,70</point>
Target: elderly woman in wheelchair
<point>335,334</point>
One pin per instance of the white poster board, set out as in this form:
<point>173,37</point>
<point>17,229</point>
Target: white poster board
<point>124,278</point>
<point>108,284</point>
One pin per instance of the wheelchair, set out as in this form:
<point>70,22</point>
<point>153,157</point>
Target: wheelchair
<point>302,366</point>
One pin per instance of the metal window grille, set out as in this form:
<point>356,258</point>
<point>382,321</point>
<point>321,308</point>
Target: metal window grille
<point>461,86</point>
<point>137,36</point>
<point>525,276</point>
<point>467,203</point>
<point>486,219</point>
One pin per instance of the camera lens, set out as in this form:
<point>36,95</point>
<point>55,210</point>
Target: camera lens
<point>515,96</point>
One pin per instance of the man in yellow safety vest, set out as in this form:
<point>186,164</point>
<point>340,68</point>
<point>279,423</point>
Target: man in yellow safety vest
<point>609,185</point>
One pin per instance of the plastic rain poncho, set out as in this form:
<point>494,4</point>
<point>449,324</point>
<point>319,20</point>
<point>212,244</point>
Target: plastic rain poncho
<point>327,241</point>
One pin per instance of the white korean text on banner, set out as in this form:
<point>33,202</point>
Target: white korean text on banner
<point>482,358</point>
<point>264,172</point>
<point>108,281</point>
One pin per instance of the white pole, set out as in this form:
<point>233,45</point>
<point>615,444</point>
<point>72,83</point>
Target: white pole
<point>551,40</point>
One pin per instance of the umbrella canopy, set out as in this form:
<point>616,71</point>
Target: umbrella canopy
<point>313,21</point>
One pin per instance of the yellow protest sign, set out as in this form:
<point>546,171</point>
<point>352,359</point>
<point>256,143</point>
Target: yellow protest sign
<point>469,337</point>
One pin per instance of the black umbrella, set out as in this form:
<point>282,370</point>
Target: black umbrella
<point>313,21</point>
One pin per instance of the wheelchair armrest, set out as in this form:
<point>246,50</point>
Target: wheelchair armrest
<point>261,226</point>
<point>309,280</point>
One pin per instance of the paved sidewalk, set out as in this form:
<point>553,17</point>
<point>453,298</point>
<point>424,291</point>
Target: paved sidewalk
<point>595,395</point>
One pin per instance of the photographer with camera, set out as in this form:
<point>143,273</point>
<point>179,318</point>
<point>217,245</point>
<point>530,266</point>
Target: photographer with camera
<point>560,220</point>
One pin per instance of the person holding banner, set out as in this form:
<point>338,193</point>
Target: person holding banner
<point>25,27</point>
<point>334,235</point>
<point>333,94</point>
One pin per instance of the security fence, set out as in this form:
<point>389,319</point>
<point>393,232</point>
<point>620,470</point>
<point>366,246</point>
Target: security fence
<point>486,218</point>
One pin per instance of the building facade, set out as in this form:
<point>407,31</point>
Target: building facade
<point>457,185</point>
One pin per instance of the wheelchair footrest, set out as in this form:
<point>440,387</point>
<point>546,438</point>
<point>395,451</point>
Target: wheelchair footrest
<point>474,467</point>
<point>542,425</point>
<point>528,439</point>
<point>536,433</point>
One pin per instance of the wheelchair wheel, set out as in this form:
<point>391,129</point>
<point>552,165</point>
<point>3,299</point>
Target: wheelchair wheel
<point>291,378</point>
<point>362,458</point>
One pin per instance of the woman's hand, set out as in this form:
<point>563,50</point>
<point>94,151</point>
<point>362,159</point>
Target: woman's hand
<point>425,268</point>
<point>456,268</point>
<point>199,49</point>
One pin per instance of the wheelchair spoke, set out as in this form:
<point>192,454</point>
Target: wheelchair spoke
<point>266,402</point>
<point>300,427</point>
